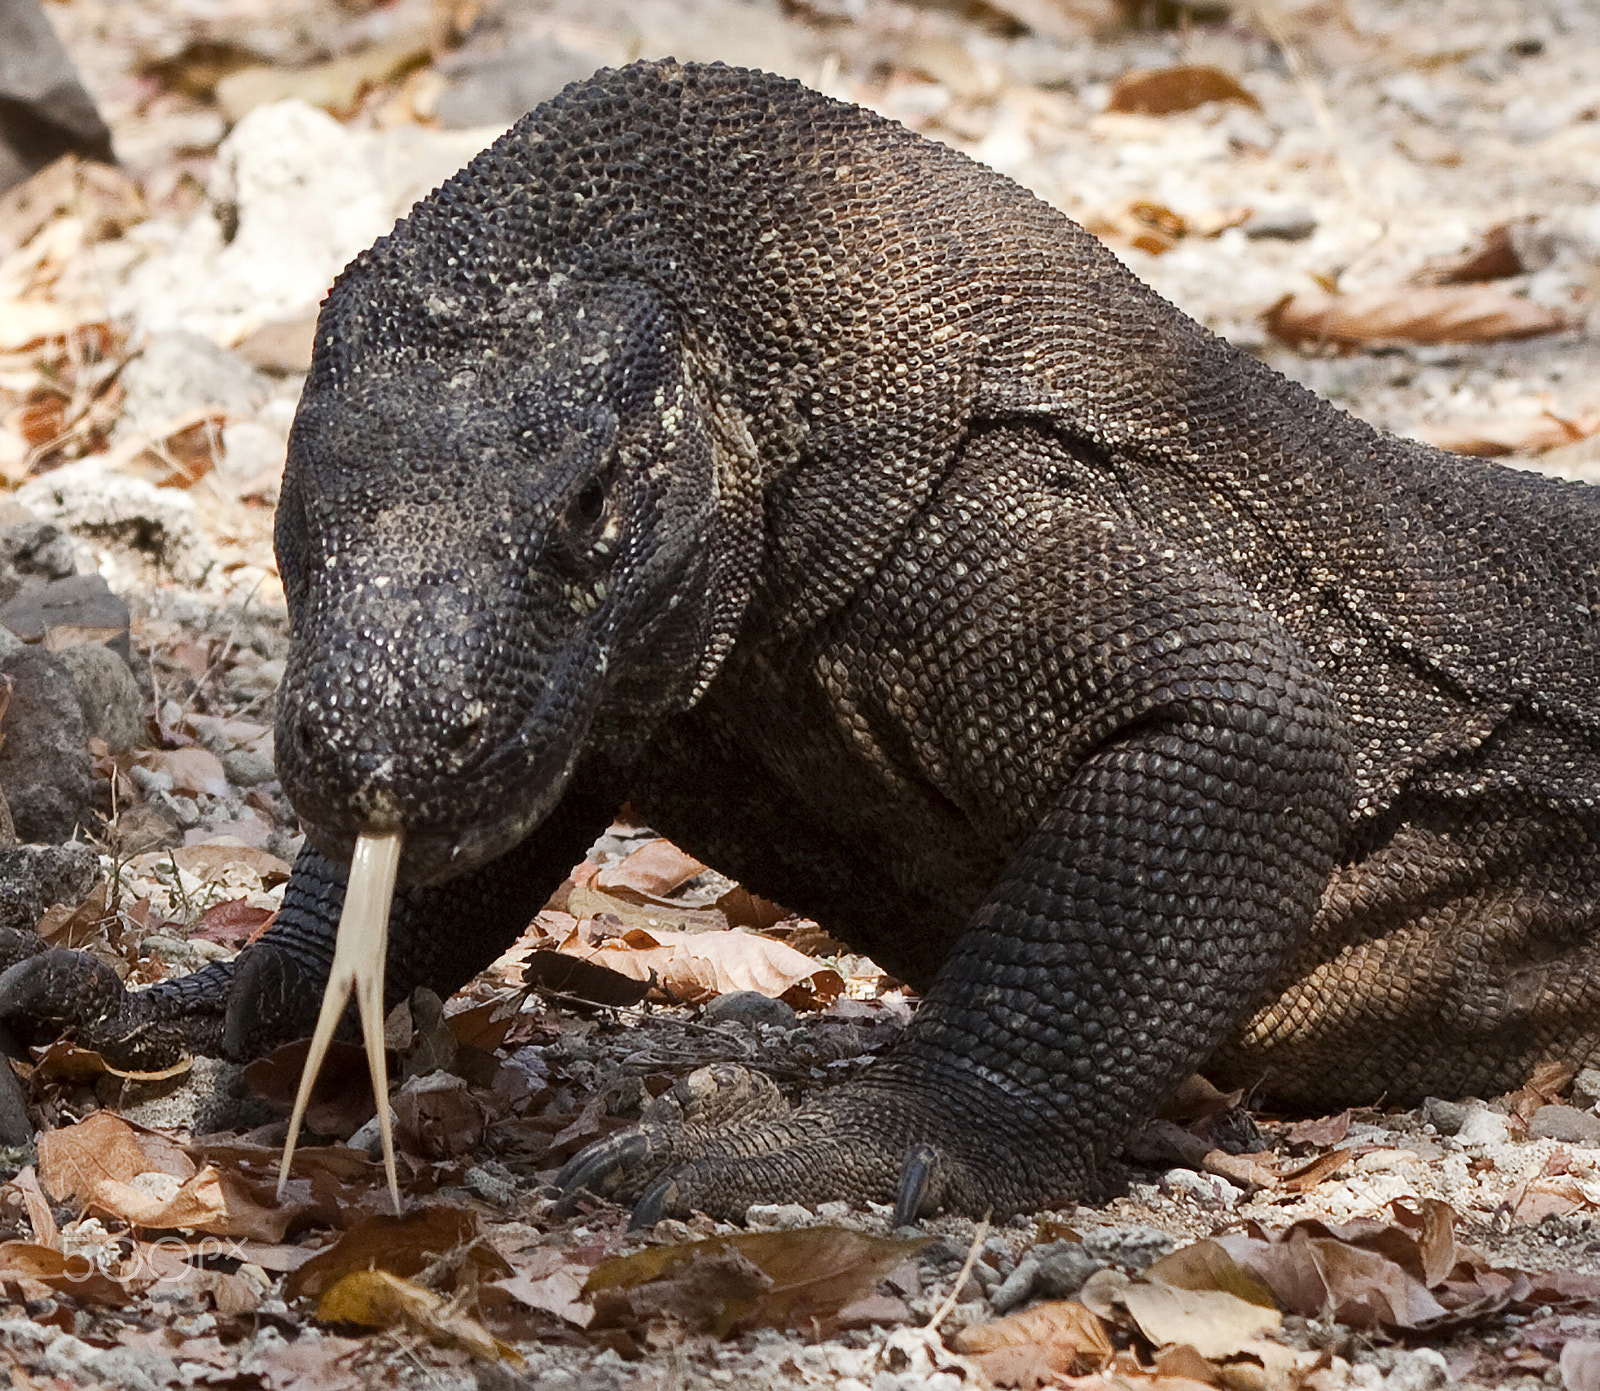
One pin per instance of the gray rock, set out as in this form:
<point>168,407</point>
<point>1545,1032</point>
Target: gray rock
<point>48,111</point>
<point>33,550</point>
<point>1586,1086</point>
<point>36,877</point>
<point>251,449</point>
<point>1017,1286</point>
<point>1063,1267</point>
<point>1206,1190</point>
<point>180,371</point>
<point>749,1007</point>
<point>83,604</point>
<point>210,1096</point>
<point>1406,1369</point>
<point>45,770</point>
<point>495,91</point>
<point>1133,1248</point>
<point>778,1217</point>
<point>1447,1117</point>
<point>113,704</point>
<point>492,1182</point>
<point>1483,1127</point>
<point>112,509</point>
<point>293,195</point>
<point>248,767</point>
<point>147,826</point>
<point>1281,224</point>
<point>184,810</point>
<point>1565,1123</point>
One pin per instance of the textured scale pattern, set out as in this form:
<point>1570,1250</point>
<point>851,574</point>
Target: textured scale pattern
<point>713,444</point>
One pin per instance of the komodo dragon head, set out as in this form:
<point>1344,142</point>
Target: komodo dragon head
<point>502,536</point>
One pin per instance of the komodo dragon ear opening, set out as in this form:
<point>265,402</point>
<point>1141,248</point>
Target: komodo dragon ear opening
<point>359,960</point>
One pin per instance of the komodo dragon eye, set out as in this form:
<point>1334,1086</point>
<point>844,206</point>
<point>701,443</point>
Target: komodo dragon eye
<point>583,535</point>
<point>588,507</point>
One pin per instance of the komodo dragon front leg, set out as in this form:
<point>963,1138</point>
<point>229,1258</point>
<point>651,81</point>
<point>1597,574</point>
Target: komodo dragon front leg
<point>1191,825</point>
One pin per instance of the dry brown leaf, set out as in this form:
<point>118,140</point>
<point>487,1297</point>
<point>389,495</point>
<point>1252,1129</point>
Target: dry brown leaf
<point>26,1186</point>
<point>1204,1265</point>
<point>1409,314</point>
<point>193,769</point>
<point>1550,1197</point>
<point>1165,91</point>
<point>1494,257</point>
<point>336,85</point>
<point>557,1290</point>
<point>1063,21</point>
<point>442,1119</point>
<point>1185,1362</point>
<point>211,859</point>
<point>1216,1324</point>
<point>27,323</point>
<point>62,1061</point>
<point>695,966</point>
<point>1061,1337</point>
<point>1199,1100</point>
<point>342,1100</point>
<point>403,1246</point>
<point>1324,1277</point>
<point>377,1299</point>
<point>214,1200</point>
<point>172,1263</point>
<point>234,921</point>
<point>1322,1132</point>
<point>651,872</point>
<point>1431,1225</point>
<point>1520,434</point>
<point>1150,227</point>
<point>75,925</point>
<point>75,1160</point>
<point>28,1262</point>
<point>1313,1172</point>
<point>585,979</point>
<point>800,1278</point>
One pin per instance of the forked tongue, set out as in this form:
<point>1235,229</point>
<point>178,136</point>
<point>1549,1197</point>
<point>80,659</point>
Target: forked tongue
<point>358,962</point>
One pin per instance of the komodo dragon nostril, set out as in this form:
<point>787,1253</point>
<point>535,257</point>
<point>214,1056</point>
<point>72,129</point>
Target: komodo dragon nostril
<point>466,732</point>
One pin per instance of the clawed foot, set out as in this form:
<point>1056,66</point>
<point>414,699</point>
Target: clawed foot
<point>53,993</point>
<point>723,1138</point>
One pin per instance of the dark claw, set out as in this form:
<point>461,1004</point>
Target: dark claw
<point>917,1184</point>
<point>662,1199</point>
<point>597,1169</point>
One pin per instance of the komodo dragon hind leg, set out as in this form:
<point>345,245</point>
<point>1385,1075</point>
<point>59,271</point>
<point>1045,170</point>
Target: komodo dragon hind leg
<point>1131,931</point>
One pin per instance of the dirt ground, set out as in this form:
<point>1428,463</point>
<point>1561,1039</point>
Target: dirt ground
<point>1396,202</point>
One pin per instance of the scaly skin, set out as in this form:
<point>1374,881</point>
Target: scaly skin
<point>896,551</point>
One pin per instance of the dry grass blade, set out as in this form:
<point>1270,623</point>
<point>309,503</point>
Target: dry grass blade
<point>359,956</point>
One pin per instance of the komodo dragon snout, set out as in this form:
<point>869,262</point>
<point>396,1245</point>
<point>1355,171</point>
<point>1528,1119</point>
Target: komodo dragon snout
<point>476,546</point>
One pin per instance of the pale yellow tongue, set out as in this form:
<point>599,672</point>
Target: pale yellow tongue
<point>358,960</point>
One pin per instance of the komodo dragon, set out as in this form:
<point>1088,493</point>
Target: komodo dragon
<point>713,444</point>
